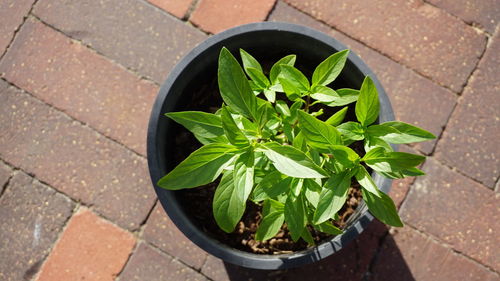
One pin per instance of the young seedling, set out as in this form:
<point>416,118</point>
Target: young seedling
<point>281,156</point>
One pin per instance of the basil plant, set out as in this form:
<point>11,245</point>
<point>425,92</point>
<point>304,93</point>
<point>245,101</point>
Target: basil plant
<point>278,154</point>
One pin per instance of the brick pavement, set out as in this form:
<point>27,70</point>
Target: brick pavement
<point>77,82</point>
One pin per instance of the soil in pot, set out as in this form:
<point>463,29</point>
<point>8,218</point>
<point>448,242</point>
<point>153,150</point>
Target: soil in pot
<point>197,202</point>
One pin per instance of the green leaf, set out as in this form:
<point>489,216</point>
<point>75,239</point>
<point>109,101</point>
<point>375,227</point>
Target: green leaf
<point>411,172</point>
<point>282,108</point>
<point>290,90</point>
<point>233,133</point>
<point>312,192</point>
<point>382,207</point>
<point>306,235</point>
<point>270,226</point>
<point>299,142</point>
<point>324,94</point>
<point>232,193</point>
<point>270,95</point>
<point>291,161</point>
<point>406,133</point>
<point>248,127</point>
<point>294,77</point>
<point>249,62</point>
<point>294,109</point>
<point>380,132</point>
<point>374,153</point>
<point>345,156</point>
<point>337,118</point>
<point>393,161</point>
<point>271,205</point>
<point>352,131</point>
<point>275,69</point>
<point>258,77</point>
<point>295,216</point>
<point>368,105</point>
<point>330,68</point>
<point>296,187</point>
<point>272,185</point>
<point>328,227</point>
<point>317,133</point>
<point>366,181</point>
<point>201,167</point>
<point>234,87</point>
<point>332,197</point>
<point>221,202</point>
<point>289,132</point>
<point>345,96</point>
<point>206,127</point>
<point>243,174</point>
<point>262,116</point>
<point>374,142</point>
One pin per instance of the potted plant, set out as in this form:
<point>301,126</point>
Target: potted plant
<point>261,176</point>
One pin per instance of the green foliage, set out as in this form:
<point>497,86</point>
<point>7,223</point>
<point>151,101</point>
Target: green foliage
<point>278,154</point>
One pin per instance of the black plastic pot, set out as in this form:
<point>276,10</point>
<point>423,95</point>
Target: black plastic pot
<point>270,40</point>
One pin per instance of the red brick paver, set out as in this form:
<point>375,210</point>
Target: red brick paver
<point>471,140</point>
<point>419,35</point>
<point>130,32</point>
<point>484,13</point>
<point>75,95</point>
<point>177,8</point>
<point>149,264</point>
<point>411,256</point>
<point>458,211</point>
<point>80,82</point>
<point>215,16</point>
<point>31,217</point>
<point>409,93</point>
<point>161,232</point>
<point>12,13</point>
<point>74,159</point>
<point>90,248</point>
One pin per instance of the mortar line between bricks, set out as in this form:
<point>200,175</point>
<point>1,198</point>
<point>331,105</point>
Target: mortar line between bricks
<point>6,185</point>
<point>142,225</point>
<point>83,124</point>
<point>15,169</point>
<point>173,257</point>
<point>59,236</point>
<point>74,201</point>
<point>204,262</point>
<point>192,7</point>
<point>271,11</point>
<point>87,205</point>
<point>460,95</point>
<point>129,257</point>
<point>147,3</point>
<point>138,236</point>
<point>374,259</point>
<point>448,246</point>
<point>472,23</point>
<point>454,169</point>
<point>376,50</point>
<point>25,17</point>
<point>89,47</point>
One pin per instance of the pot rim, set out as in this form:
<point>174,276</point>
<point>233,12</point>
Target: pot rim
<point>214,247</point>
